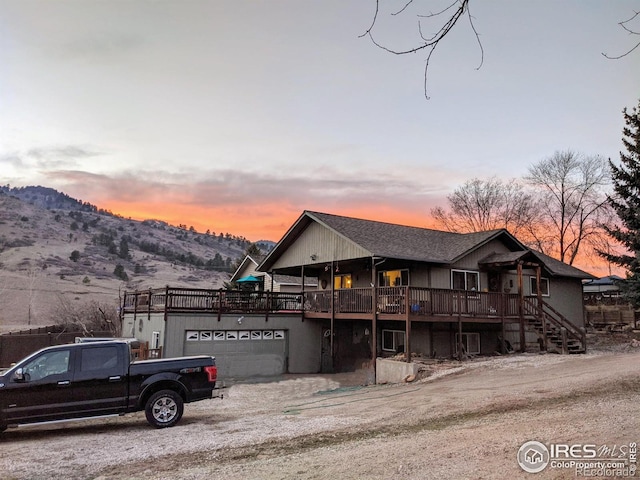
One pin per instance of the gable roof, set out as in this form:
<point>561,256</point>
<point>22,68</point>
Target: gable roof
<point>608,280</point>
<point>558,268</point>
<point>281,279</point>
<point>388,240</point>
<point>552,266</point>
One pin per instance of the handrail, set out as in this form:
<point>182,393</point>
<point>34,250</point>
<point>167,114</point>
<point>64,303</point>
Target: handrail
<point>190,299</point>
<point>556,318</point>
<point>389,300</point>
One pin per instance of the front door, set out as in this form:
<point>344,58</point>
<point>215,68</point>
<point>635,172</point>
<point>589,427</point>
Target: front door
<point>494,281</point>
<point>327,357</point>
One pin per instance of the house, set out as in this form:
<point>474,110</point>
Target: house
<point>604,290</point>
<point>247,277</point>
<point>382,289</point>
<point>397,288</point>
<point>606,309</point>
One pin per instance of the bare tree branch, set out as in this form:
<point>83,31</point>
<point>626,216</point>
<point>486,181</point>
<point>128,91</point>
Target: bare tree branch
<point>403,8</point>
<point>624,26</point>
<point>428,43</point>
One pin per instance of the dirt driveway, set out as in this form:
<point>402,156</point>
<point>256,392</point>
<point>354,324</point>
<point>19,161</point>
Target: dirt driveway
<point>464,421</point>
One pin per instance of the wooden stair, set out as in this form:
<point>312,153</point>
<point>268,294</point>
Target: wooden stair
<point>554,329</point>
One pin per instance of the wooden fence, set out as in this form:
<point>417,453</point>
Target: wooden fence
<point>17,345</point>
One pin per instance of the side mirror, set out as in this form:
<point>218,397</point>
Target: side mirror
<point>18,375</point>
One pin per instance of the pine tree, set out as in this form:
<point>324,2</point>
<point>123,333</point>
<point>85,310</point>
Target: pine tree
<point>626,203</point>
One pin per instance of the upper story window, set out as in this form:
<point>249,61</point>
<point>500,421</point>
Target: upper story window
<point>393,278</point>
<point>544,286</point>
<point>342,281</point>
<point>465,280</point>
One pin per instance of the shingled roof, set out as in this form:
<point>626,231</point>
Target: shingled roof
<point>390,240</point>
<point>399,241</point>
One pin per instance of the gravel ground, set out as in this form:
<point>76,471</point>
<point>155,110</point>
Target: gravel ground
<point>464,420</point>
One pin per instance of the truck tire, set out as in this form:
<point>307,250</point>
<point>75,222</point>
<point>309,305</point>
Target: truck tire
<point>164,409</point>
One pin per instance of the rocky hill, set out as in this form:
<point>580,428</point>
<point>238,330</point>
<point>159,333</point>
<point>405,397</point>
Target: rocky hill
<point>58,250</point>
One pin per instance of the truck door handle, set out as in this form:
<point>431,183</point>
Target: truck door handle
<point>64,383</point>
<point>116,378</point>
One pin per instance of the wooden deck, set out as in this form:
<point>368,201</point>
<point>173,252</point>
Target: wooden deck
<point>404,304</point>
<point>391,303</point>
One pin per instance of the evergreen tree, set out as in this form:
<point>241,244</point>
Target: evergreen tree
<point>121,273</point>
<point>626,203</point>
<point>124,248</point>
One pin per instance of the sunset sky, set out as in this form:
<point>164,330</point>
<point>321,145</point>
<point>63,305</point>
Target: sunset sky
<point>236,116</point>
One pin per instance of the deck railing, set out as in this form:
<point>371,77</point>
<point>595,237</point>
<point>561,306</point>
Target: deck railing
<point>416,301</point>
<point>190,300</point>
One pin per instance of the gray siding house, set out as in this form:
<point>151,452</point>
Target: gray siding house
<point>250,278</point>
<point>382,289</point>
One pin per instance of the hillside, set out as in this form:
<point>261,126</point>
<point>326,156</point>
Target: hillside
<point>56,249</point>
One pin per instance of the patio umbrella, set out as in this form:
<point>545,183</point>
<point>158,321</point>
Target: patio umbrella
<point>248,279</point>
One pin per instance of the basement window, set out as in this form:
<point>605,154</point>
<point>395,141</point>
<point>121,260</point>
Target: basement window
<point>470,343</point>
<point>393,341</point>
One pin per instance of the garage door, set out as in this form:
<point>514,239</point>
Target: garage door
<point>241,353</point>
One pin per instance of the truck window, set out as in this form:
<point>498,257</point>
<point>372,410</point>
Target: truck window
<point>100,358</point>
<point>49,363</point>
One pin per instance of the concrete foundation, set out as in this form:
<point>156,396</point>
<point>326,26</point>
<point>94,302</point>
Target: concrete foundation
<point>392,371</point>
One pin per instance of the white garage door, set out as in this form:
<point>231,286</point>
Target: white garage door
<point>241,353</point>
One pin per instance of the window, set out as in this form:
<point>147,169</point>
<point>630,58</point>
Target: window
<point>465,280</point>
<point>342,281</point>
<point>50,363</point>
<point>155,340</point>
<point>470,343</point>
<point>544,286</point>
<point>101,358</point>
<point>393,341</point>
<point>192,335</point>
<point>393,278</point>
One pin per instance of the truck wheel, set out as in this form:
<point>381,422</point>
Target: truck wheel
<point>164,409</point>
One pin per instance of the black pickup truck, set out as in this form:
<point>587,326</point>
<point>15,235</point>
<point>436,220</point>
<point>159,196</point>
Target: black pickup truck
<point>93,379</point>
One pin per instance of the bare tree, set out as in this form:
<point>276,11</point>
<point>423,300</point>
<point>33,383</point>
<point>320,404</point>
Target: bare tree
<point>87,316</point>
<point>481,205</point>
<point>573,203</point>
<point>442,22</point>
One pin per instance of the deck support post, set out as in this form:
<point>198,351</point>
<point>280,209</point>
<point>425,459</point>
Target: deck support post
<point>374,314</point>
<point>333,314</point>
<point>459,343</point>
<point>407,310</point>
<point>541,308</point>
<point>523,339</point>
